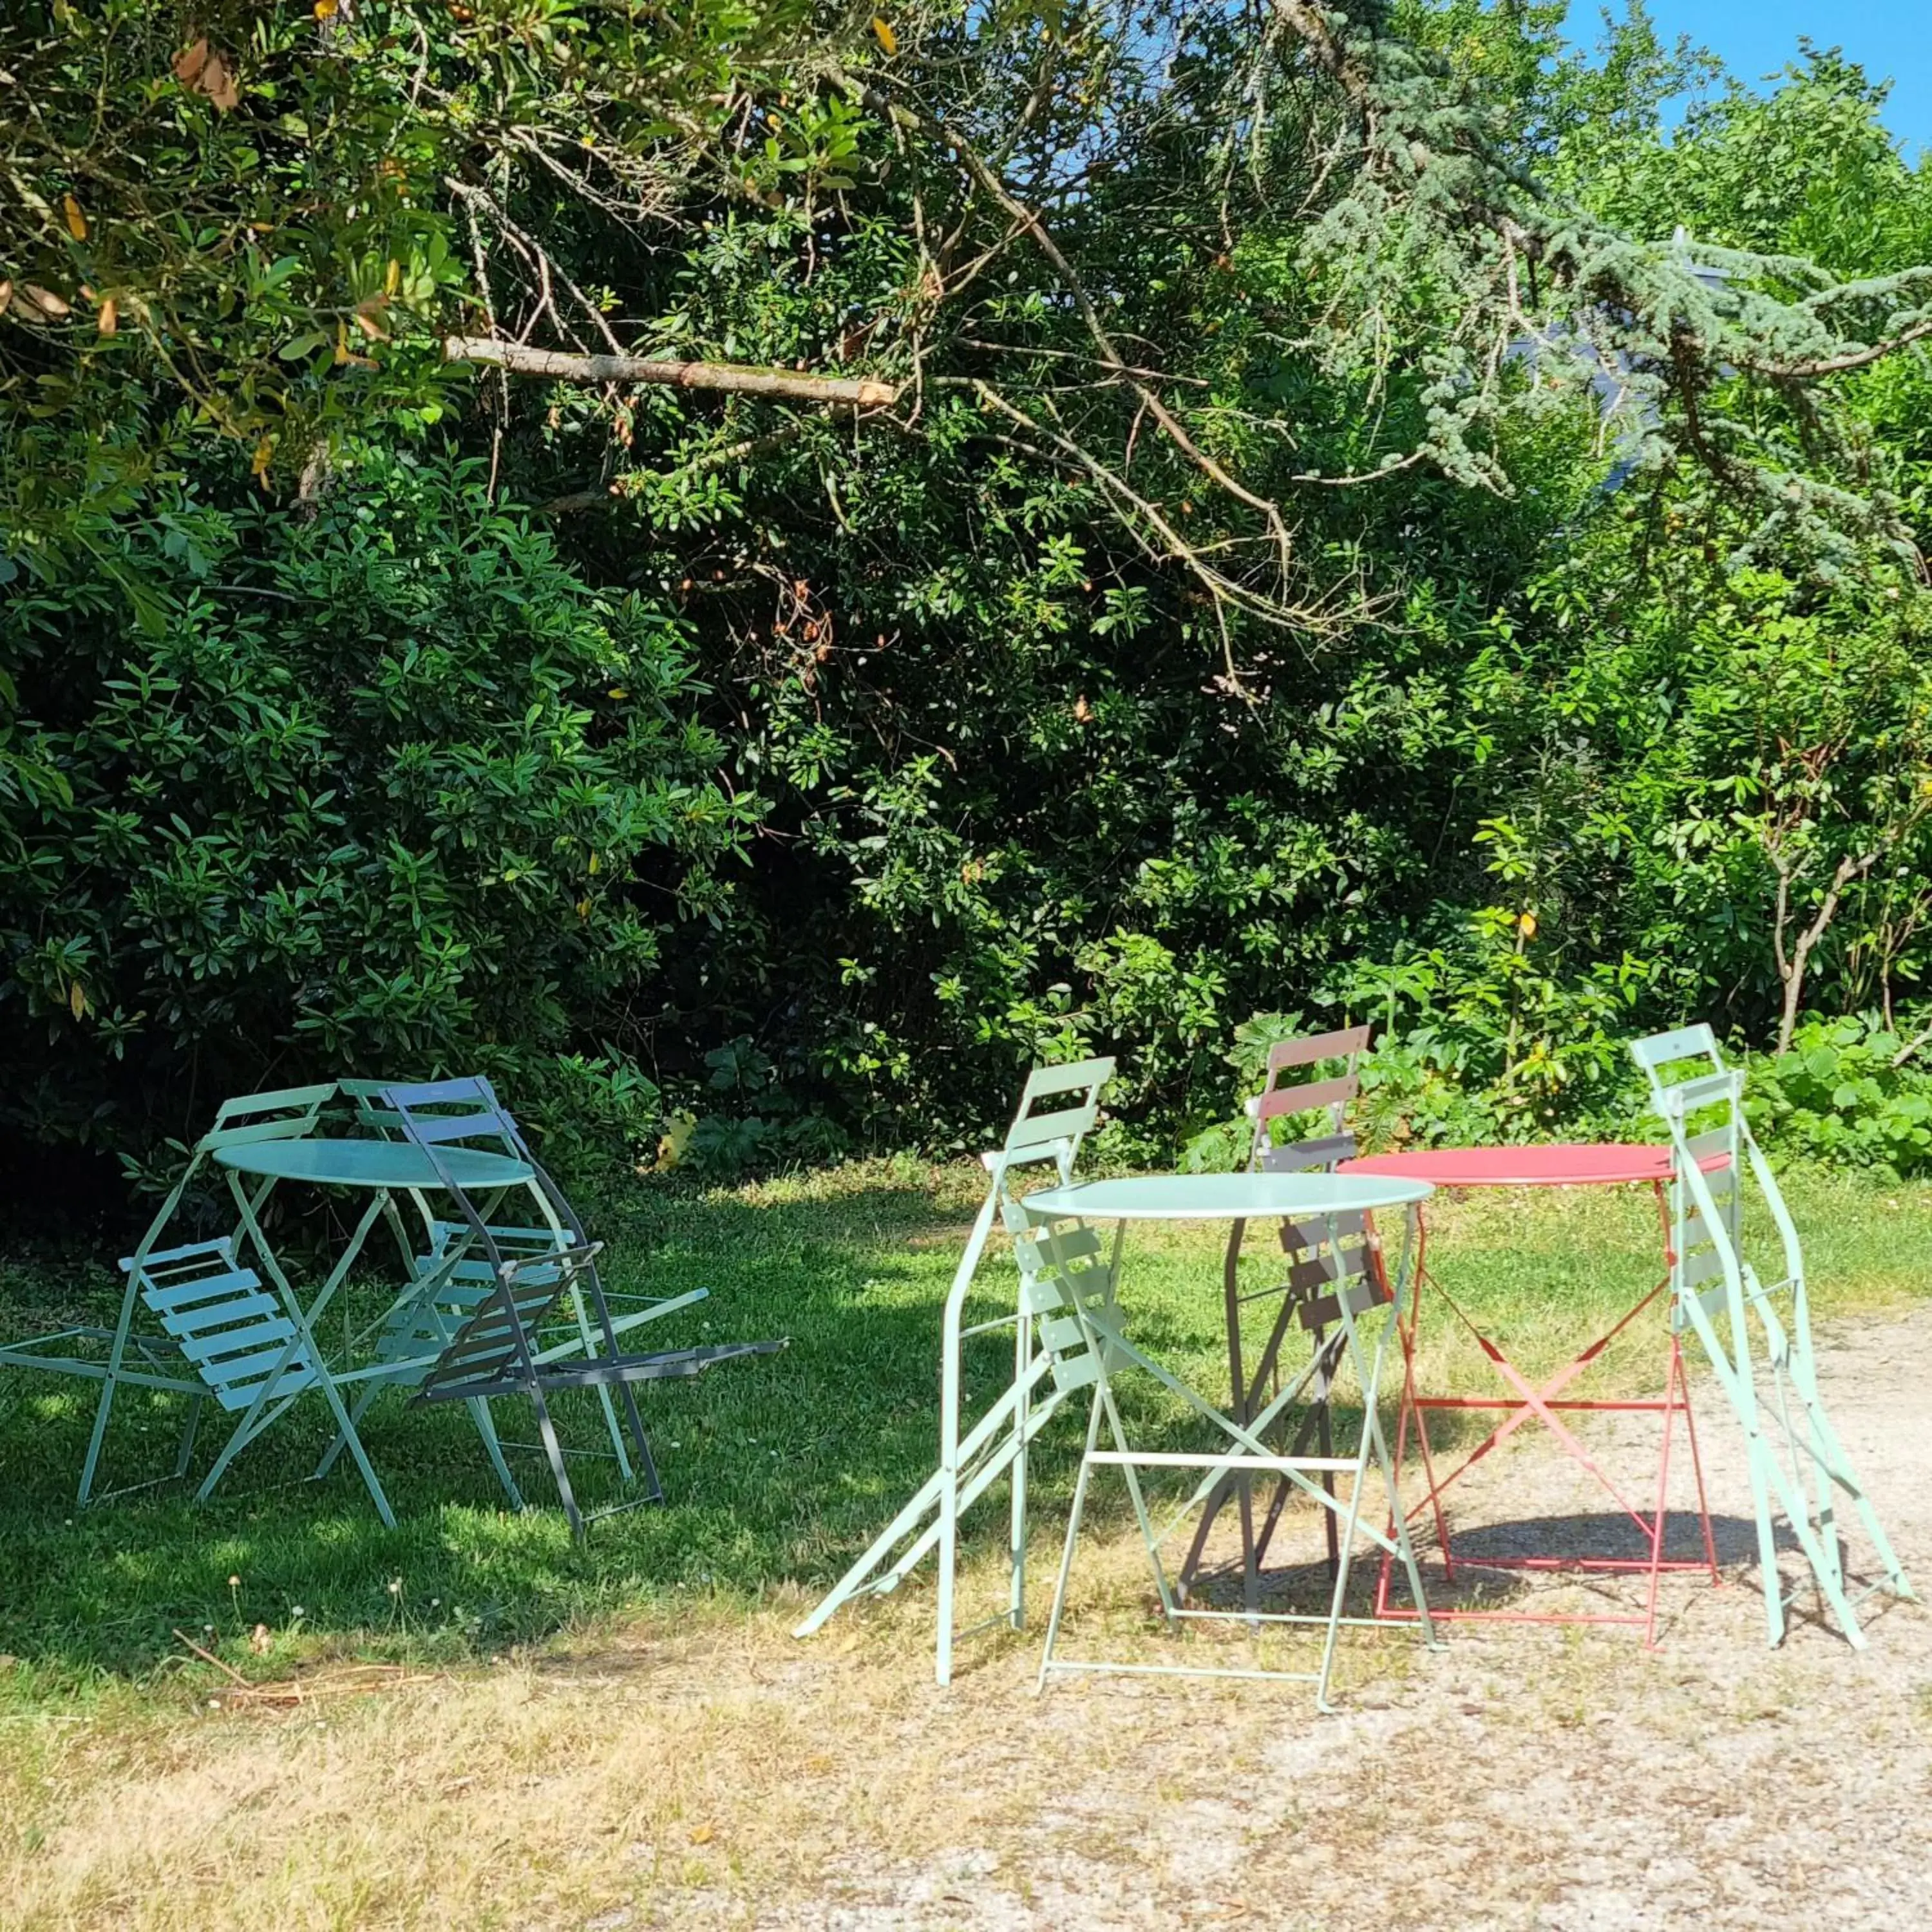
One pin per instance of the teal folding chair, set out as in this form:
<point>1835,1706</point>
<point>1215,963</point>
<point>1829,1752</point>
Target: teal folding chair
<point>1757,1333</point>
<point>249,1348</point>
<point>126,1356</point>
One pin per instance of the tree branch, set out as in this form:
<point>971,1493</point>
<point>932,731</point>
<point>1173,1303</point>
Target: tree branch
<point>733,378</point>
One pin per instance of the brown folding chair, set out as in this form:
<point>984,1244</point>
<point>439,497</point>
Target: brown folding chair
<point>1318,1271</point>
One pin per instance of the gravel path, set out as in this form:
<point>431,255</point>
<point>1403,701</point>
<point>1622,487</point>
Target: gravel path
<point>1522,1777</point>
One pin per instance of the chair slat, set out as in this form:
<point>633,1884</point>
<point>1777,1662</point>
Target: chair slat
<point>162,1258</point>
<point>1327,1309</point>
<point>1279,1101</point>
<point>173,1297</point>
<point>292,1381</point>
<point>1312,1048</point>
<point>1302,1157</point>
<point>217,1355</point>
<point>205,1316</point>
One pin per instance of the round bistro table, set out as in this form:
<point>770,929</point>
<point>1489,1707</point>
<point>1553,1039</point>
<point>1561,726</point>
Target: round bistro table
<point>1087,1317</point>
<point>1613,1164</point>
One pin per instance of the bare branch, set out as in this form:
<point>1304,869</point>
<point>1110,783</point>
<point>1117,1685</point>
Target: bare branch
<point>733,378</point>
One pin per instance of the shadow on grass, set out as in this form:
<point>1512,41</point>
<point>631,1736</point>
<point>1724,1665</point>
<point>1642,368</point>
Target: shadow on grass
<point>777,1470</point>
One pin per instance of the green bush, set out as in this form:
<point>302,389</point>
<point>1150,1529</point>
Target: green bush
<point>383,788</point>
<point>1842,1095</point>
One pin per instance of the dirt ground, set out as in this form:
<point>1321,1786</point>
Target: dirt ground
<point>1522,1777</point>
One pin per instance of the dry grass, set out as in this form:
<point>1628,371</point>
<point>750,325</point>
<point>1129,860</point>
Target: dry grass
<point>679,1771</point>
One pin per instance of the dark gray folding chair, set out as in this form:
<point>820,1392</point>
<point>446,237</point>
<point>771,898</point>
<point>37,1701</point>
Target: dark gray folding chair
<point>499,1348</point>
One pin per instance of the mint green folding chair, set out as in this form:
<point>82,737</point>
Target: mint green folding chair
<point>250,1349</point>
<point>1057,1110</point>
<point>126,1357</point>
<point>1756,1333</point>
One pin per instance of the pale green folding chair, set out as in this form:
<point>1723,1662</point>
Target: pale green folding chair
<point>128,1356</point>
<point>1057,1110</point>
<point>1756,1333</point>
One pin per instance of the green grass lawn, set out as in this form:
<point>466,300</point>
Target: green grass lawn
<point>777,1469</point>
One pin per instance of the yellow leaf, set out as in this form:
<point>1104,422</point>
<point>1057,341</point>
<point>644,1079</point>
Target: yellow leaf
<point>76,1000</point>
<point>110,316</point>
<point>393,279</point>
<point>1526,925</point>
<point>617,691</point>
<point>265,452</point>
<point>341,342</point>
<point>678,1131</point>
<point>76,222</point>
<point>583,908</point>
<point>887,38</point>
<point>596,864</point>
<point>326,9</point>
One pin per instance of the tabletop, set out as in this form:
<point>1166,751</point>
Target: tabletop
<point>370,1163</point>
<point>1592,1164</point>
<point>1227,1197</point>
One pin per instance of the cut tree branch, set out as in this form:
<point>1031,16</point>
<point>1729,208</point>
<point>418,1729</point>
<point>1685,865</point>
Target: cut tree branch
<point>733,378</point>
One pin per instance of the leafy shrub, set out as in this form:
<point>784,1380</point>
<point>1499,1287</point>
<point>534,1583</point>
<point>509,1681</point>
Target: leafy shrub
<point>1841,1095</point>
<point>383,789</point>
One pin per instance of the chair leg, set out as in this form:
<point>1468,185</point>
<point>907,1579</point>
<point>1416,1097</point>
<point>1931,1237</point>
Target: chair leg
<point>188,1428</point>
<point>341,1441</point>
<point>647,1462</point>
<point>1072,1538</point>
<point>97,1438</point>
<point>479,1411</point>
<point>554,1451</point>
<point>333,1396</point>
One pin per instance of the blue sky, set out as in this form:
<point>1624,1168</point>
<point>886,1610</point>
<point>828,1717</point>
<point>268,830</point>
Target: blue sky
<point>1889,38</point>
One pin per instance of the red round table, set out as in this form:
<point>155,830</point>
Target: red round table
<point>1544,1165</point>
<point>1610,1165</point>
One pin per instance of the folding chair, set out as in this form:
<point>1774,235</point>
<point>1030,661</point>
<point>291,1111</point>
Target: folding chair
<point>1317,1270</point>
<point>496,1286</point>
<point>1057,1110</point>
<point>252,1350</point>
<point>1758,1336</point>
<point>121,1356</point>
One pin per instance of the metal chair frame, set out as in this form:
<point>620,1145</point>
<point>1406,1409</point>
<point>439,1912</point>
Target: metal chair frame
<point>1757,1335</point>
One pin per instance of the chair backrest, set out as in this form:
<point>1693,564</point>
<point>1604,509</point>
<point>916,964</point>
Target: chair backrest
<point>1700,1101</point>
<point>231,1330</point>
<point>1066,1285</point>
<point>420,1326</point>
<point>440,1114</point>
<point>1328,1258</point>
<point>291,1113</point>
<point>1058,1107</point>
<point>493,1351</point>
<point>1281,1098</point>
